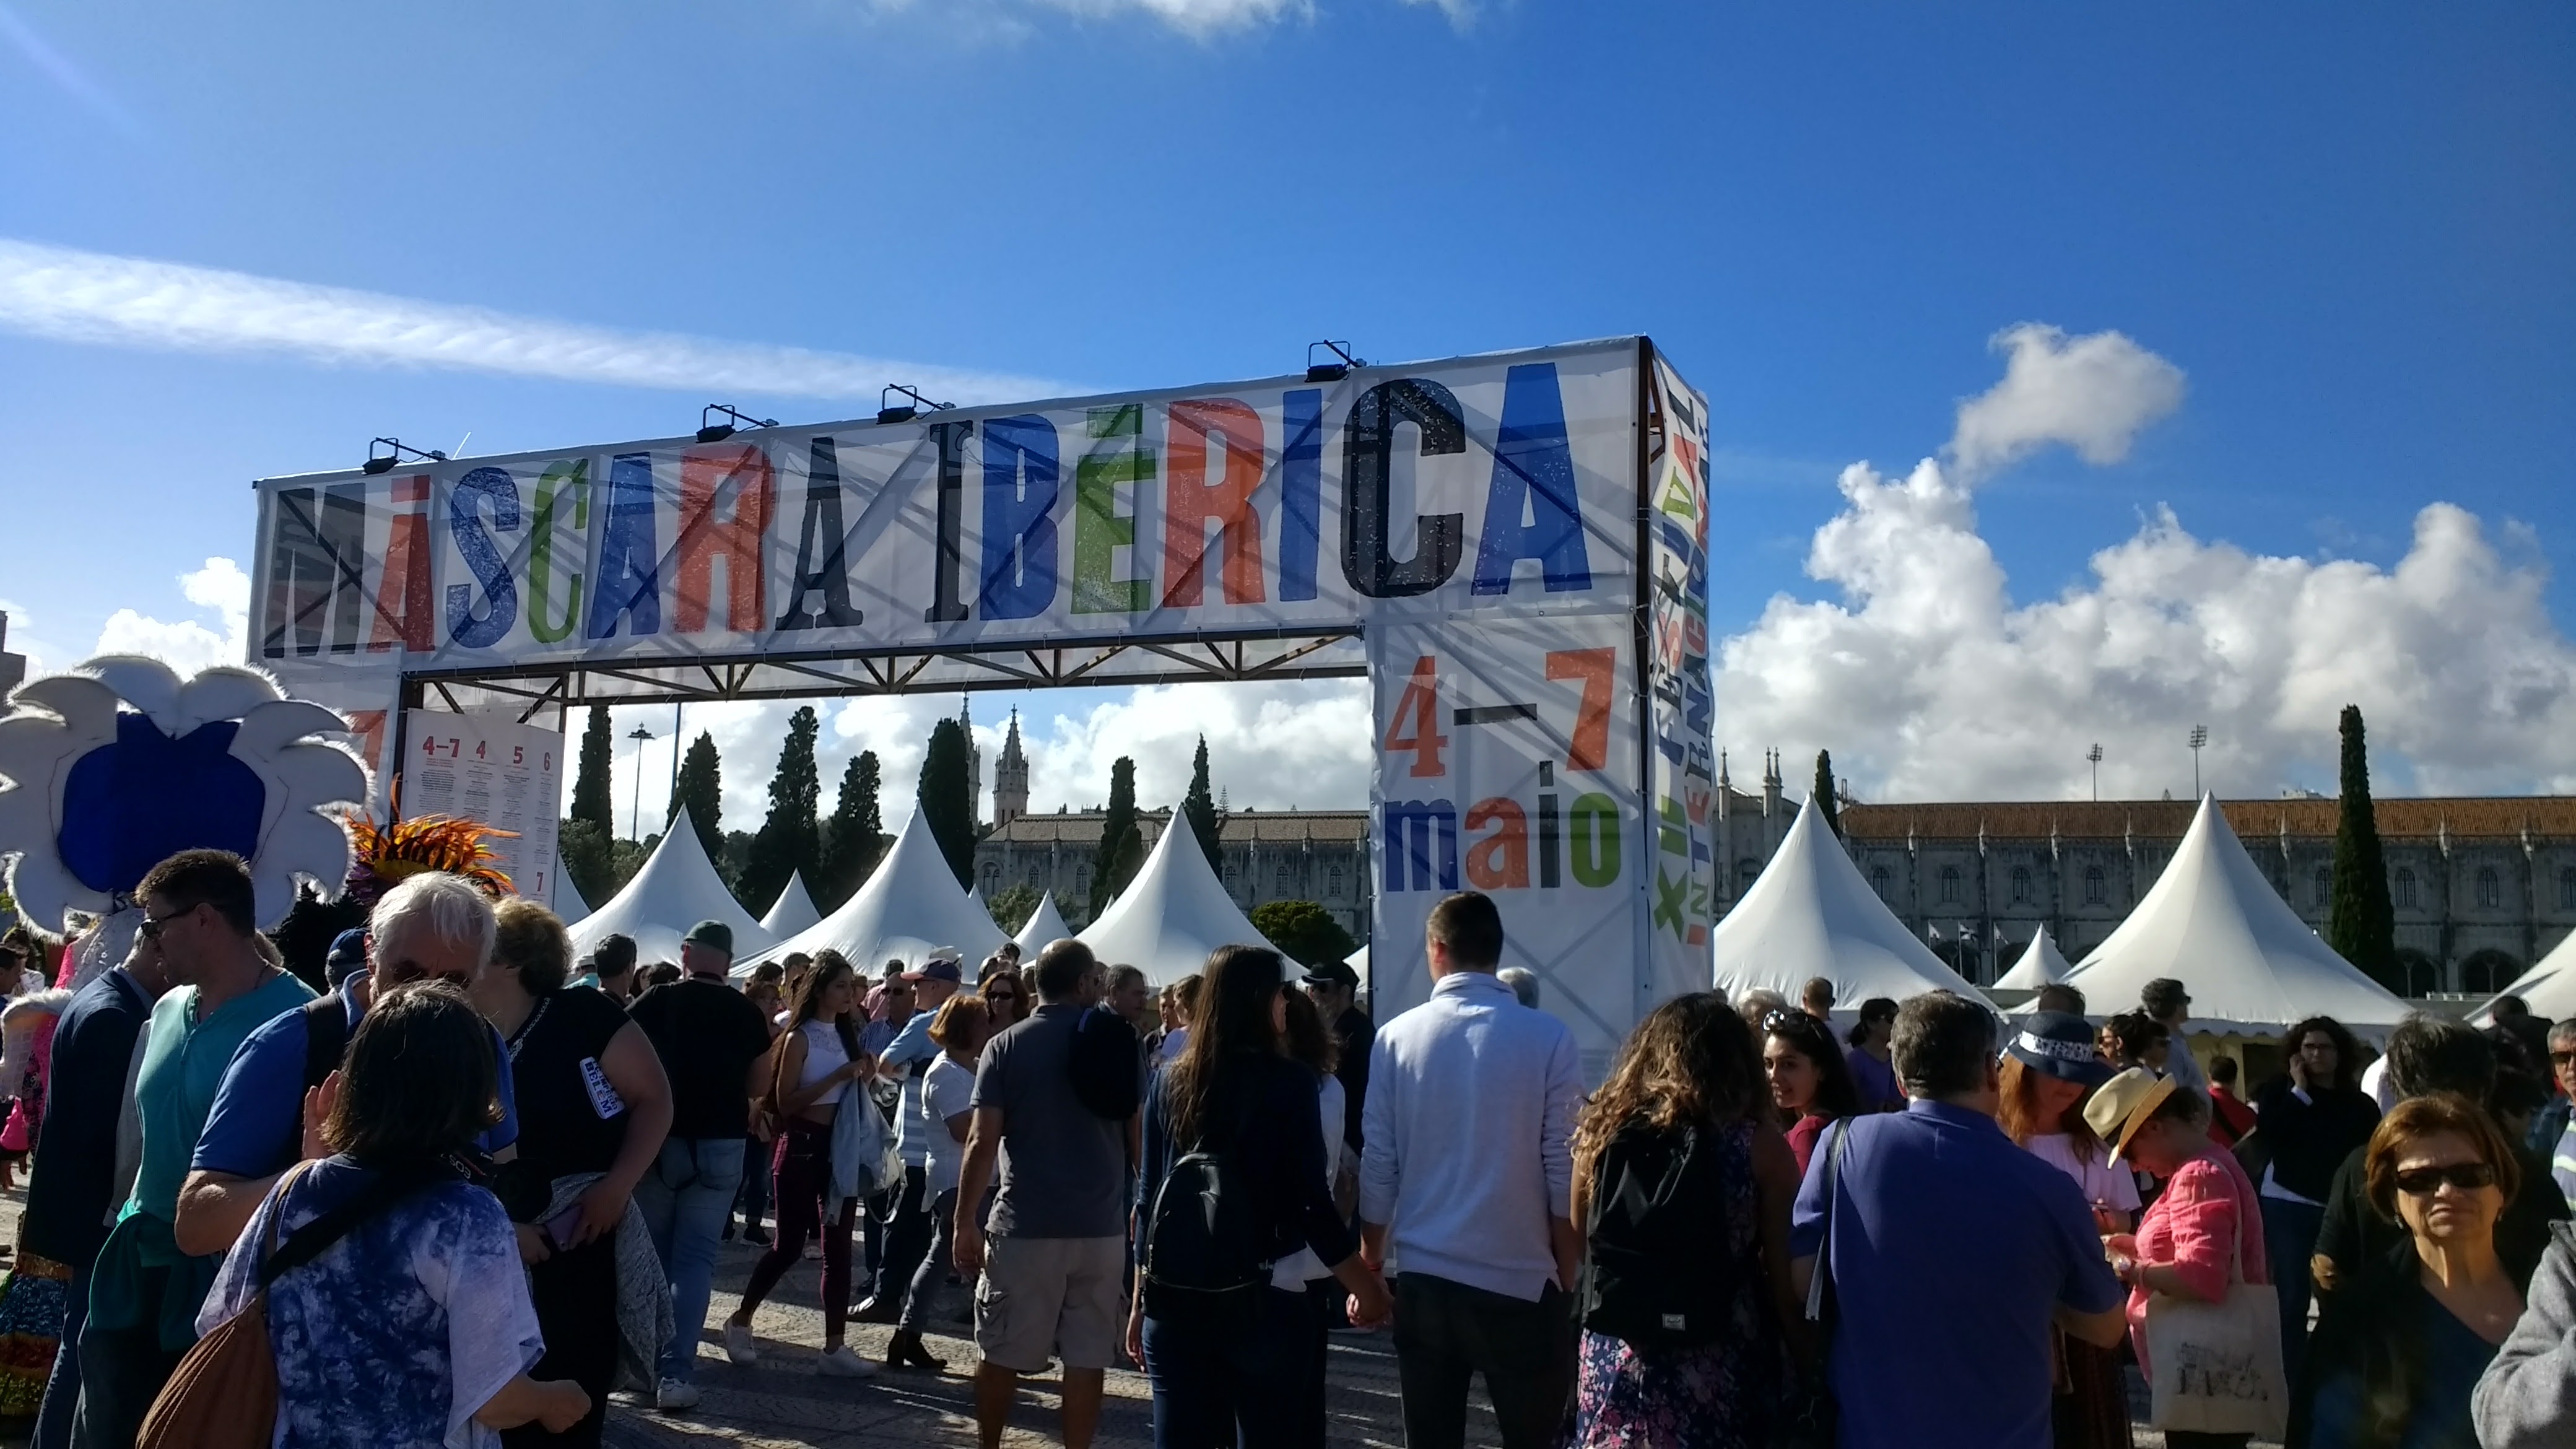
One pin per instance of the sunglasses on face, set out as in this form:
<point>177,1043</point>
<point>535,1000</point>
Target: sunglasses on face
<point>152,926</point>
<point>2425,1181</point>
<point>2561,1058</point>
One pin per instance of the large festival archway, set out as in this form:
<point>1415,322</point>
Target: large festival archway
<point>1511,547</point>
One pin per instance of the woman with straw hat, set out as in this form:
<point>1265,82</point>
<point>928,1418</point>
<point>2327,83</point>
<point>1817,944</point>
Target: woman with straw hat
<point>2201,1311</point>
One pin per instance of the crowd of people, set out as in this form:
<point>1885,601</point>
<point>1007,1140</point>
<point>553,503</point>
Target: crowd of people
<point>468,1188</point>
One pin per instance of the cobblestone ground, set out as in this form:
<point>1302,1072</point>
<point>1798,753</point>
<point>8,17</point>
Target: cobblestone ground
<point>784,1404</point>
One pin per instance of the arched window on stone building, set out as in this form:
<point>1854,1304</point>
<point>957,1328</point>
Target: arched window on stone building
<point>1747,871</point>
<point>1333,882</point>
<point>1284,879</point>
<point>2325,886</point>
<point>2567,888</point>
<point>2490,889</point>
<point>1949,885</point>
<point>2021,885</point>
<point>2402,889</point>
<point>1878,880</point>
<point>2097,887</point>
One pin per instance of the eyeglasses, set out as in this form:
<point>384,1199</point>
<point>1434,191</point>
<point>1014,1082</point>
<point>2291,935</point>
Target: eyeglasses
<point>2426,1181</point>
<point>2560,1059</point>
<point>150,930</point>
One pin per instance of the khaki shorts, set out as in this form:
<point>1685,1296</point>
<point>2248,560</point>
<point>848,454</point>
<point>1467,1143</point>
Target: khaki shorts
<point>1049,1297</point>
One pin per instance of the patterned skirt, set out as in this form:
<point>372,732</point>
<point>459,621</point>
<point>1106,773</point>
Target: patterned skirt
<point>32,1301</point>
<point>1724,1395</point>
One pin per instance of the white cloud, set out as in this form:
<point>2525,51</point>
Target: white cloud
<point>1928,682</point>
<point>1199,19</point>
<point>91,297</point>
<point>2093,393</point>
<point>1270,746</point>
<point>187,645</point>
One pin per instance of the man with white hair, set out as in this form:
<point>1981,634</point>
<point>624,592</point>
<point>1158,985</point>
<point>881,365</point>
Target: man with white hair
<point>431,926</point>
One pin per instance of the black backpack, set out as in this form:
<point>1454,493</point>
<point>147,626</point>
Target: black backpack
<point>1657,1269</point>
<point>1106,1064</point>
<point>1203,1256</point>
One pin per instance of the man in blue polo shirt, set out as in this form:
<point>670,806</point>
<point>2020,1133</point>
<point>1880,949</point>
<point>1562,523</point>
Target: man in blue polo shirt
<point>431,925</point>
<point>1952,1253</point>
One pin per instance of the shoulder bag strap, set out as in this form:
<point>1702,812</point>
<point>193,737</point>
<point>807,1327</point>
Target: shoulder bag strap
<point>1825,1249</point>
<point>316,1237</point>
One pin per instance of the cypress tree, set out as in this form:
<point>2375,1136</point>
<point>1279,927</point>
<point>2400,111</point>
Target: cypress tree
<point>944,802</point>
<point>2361,924</point>
<point>1121,843</point>
<point>1826,800</point>
<point>791,839</point>
<point>852,837</point>
<point>591,794</point>
<point>702,790</point>
<point>1200,806</point>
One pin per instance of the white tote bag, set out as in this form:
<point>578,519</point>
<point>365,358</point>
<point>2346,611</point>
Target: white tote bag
<point>2218,1365</point>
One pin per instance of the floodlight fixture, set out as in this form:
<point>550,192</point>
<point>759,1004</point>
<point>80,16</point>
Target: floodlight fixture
<point>717,432</point>
<point>1333,371</point>
<point>392,456</point>
<point>906,412</point>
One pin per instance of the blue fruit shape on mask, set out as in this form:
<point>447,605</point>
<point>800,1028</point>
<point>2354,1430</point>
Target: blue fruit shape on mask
<point>133,804</point>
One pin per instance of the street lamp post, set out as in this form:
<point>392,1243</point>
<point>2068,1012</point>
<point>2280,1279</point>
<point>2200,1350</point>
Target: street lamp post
<point>2095,755</point>
<point>2199,737</point>
<point>635,812</point>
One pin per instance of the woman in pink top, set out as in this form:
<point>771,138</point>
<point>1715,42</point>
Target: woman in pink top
<point>2189,1242</point>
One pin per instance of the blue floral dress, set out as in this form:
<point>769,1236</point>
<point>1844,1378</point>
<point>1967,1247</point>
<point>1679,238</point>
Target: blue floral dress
<point>1721,1395</point>
<point>400,1332</point>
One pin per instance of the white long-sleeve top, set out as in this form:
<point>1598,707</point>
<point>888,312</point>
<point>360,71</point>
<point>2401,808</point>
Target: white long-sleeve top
<point>1468,1134</point>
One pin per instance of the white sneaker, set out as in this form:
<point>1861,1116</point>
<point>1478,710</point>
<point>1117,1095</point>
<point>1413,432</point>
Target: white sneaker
<point>738,1345</point>
<point>843,1364</point>
<point>672,1395</point>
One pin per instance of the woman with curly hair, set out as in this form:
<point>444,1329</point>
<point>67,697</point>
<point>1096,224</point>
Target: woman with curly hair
<point>1689,1092</point>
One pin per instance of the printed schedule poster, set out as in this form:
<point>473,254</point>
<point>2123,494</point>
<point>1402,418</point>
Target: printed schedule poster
<point>495,771</point>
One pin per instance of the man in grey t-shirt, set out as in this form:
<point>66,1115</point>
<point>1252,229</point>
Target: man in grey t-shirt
<point>1059,1227</point>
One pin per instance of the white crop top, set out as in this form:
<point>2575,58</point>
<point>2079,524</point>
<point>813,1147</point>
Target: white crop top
<point>824,1053</point>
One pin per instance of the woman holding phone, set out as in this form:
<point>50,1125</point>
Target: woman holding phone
<point>593,1109</point>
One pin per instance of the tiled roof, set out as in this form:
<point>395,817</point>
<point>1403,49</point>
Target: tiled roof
<point>2466,817</point>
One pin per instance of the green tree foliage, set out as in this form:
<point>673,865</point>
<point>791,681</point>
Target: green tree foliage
<point>1826,800</point>
<point>852,838</point>
<point>702,790</point>
<point>2361,924</point>
<point>1200,806</point>
<point>1304,930</point>
<point>791,839</point>
<point>1012,906</point>
<point>1122,845</point>
<point>591,795</point>
<point>597,863</point>
<point>945,801</point>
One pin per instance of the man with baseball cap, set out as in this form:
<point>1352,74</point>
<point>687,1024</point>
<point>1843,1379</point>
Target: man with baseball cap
<point>1334,988</point>
<point>909,1057</point>
<point>715,1049</point>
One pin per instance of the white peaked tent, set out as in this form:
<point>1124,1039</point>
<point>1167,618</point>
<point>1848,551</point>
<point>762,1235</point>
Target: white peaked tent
<point>1171,915</point>
<point>2214,923</point>
<point>909,906</point>
<point>2041,964</point>
<point>570,908</point>
<point>1810,914</point>
<point>975,896</point>
<point>677,888</point>
<point>1045,924</point>
<point>793,911</point>
<point>2549,987</point>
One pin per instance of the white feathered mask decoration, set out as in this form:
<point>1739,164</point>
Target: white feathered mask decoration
<point>118,765</point>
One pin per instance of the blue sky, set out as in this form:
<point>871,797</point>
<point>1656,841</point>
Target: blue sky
<point>2347,228</point>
